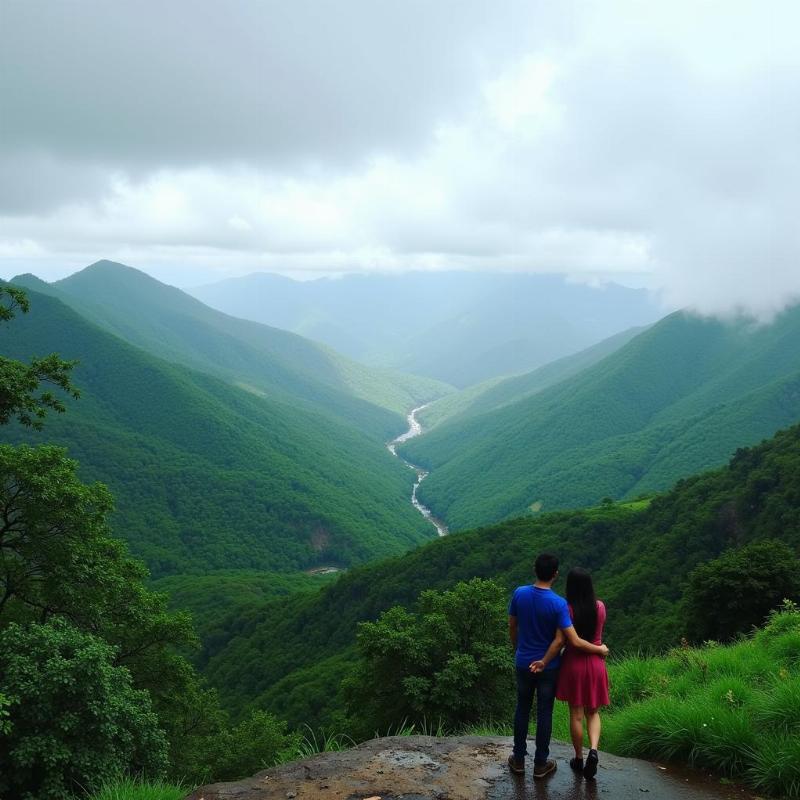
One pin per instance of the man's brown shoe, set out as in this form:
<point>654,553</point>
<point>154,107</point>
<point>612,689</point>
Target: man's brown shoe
<point>517,767</point>
<point>543,770</point>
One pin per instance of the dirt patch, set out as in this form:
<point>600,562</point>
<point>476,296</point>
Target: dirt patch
<point>320,539</point>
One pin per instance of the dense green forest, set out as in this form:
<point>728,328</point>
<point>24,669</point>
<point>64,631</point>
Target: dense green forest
<point>678,398</point>
<point>287,654</point>
<point>267,361</point>
<point>207,476</point>
<point>212,597</point>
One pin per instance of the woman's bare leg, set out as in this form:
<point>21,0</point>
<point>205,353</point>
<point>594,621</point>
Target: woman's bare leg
<point>576,729</point>
<point>593,727</point>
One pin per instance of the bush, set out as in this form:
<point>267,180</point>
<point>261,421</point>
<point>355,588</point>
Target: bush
<point>259,742</point>
<point>735,592</point>
<point>448,661</point>
<point>76,721</point>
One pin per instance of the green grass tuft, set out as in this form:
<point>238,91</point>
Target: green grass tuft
<point>135,789</point>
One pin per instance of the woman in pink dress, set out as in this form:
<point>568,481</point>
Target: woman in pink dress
<point>583,678</point>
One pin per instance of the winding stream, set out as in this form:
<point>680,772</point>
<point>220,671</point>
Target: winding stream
<point>415,429</point>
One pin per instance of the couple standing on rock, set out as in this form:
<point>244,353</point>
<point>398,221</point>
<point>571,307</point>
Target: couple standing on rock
<point>542,624</point>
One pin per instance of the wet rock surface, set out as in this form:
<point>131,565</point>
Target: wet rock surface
<point>462,768</point>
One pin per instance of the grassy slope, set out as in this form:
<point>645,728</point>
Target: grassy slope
<point>175,326</point>
<point>678,398</point>
<point>731,709</point>
<point>279,654</point>
<point>499,392</point>
<point>207,476</point>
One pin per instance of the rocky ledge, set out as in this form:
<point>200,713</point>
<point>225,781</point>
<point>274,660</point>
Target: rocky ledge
<point>461,768</point>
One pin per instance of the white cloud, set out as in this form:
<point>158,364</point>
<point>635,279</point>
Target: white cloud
<point>605,138</point>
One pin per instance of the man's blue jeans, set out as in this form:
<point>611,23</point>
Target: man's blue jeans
<point>543,685</point>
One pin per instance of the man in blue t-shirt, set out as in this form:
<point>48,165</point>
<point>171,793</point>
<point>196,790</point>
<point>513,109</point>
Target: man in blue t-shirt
<point>536,614</point>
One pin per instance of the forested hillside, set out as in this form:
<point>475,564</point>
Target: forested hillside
<point>172,325</point>
<point>207,476</point>
<point>289,652</point>
<point>459,327</point>
<point>678,398</point>
<point>499,392</point>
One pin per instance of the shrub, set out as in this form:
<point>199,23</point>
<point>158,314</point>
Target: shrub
<point>75,719</point>
<point>259,742</point>
<point>448,660</point>
<point>736,591</point>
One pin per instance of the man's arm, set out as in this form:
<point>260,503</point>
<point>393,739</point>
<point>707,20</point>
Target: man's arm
<point>552,652</point>
<point>572,637</point>
<point>512,631</point>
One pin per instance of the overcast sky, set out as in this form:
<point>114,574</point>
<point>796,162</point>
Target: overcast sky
<point>655,141</point>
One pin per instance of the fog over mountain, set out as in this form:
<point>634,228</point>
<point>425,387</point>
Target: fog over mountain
<point>458,327</point>
<point>651,144</point>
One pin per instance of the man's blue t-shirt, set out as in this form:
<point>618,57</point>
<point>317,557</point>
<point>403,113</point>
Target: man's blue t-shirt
<point>540,613</point>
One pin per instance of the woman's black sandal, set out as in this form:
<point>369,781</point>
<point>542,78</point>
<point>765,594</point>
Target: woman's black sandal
<point>576,764</point>
<point>590,770</point>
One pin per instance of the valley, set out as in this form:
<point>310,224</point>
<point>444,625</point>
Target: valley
<point>674,399</point>
<point>284,496</point>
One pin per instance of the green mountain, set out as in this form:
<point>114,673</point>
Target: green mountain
<point>499,392</point>
<point>459,327</point>
<point>287,654</point>
<point>678,398</point>
<point>207,476</point>
<point>172,325</point>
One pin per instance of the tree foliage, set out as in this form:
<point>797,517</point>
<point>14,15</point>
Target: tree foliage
<point>447,660</point>
<point>75,718</point>
<point>735,592</point>
<point>258,742</point>
<point>20,382</point>
<point>114,681</point>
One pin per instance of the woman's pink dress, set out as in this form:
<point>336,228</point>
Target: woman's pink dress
<point>583,678</point>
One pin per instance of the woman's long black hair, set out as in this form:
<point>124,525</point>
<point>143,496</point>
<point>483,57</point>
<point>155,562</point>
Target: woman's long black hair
<point>580,595</point>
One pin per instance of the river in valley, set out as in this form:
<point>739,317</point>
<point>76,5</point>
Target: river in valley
<point>415,429</point>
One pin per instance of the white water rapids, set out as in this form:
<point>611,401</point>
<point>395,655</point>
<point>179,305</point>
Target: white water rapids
<point>415,429</point>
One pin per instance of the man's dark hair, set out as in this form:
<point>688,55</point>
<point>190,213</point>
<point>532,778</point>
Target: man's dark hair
<point>546,566</point>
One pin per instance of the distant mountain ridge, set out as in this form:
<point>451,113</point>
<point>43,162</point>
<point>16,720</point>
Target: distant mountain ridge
<point>177,327</point>
<point>459,327</point>
<point>207,476</point>
<point>676,399</point>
